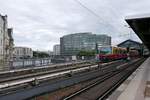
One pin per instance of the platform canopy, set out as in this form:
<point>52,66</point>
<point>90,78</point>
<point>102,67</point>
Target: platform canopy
<point>141,26</point>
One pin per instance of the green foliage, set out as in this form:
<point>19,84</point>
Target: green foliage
<point>87,53</point>
<point>104,52</point>
<point>40,54</point>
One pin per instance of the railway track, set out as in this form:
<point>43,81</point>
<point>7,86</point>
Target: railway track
<point>23,82</point>
<point>34,74</point>
<point>25,71</point>
<point>31,72</point>
<point>27,91</point>
<point>96,75</point>
<point>98,90</point>
<point>48,71</point>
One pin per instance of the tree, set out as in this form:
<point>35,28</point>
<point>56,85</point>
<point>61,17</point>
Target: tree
<point>86,53</point>
<point>40,54</point>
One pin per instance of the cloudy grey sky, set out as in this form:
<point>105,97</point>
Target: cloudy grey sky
<point>40,23</point>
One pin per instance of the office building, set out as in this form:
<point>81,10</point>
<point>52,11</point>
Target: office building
<point>74,43</point>
<point>56,49</point>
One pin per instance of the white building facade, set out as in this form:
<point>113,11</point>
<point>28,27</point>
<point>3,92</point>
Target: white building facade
<point>1,37</point>
<point>4,38</point>
<point>56,49</point>
<point>11,43</point>
<point>22,53</point>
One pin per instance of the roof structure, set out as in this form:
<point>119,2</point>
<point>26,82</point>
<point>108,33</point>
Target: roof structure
<point>141,26</point>
<point>129,41</point>
<point>138,16</point>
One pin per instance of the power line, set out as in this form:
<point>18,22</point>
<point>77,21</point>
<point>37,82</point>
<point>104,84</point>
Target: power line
<point>95,14</point>
<point>91,11</point>
<point>87,8</point>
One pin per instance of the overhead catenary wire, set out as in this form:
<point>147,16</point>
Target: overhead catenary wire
<point>101,21</point>
<point>91,11</point>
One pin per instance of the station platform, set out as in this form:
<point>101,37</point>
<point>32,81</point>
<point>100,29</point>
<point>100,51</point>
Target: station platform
<point>136,87</point>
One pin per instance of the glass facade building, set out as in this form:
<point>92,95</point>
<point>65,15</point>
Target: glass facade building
<point>74,43</point>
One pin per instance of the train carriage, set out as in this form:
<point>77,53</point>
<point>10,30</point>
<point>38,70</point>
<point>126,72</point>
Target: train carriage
<point>110,53</point>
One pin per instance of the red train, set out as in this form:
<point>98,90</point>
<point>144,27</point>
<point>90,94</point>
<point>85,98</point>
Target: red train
<point>112,53</point>
<point>109,53</point>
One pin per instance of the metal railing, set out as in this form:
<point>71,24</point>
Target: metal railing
<point>36,62</point>
<point>23,63</point>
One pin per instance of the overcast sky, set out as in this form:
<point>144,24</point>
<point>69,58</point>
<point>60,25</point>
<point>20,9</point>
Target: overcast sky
<point>39,24</point>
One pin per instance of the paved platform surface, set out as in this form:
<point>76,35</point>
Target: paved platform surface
<point>136,87</point>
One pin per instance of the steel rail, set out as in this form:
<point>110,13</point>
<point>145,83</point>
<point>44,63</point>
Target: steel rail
<point>98,82</point>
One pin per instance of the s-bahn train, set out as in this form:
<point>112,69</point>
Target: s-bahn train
<point>110,53</point>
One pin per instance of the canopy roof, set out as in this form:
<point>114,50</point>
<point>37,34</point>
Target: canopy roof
<point>141,26</point>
